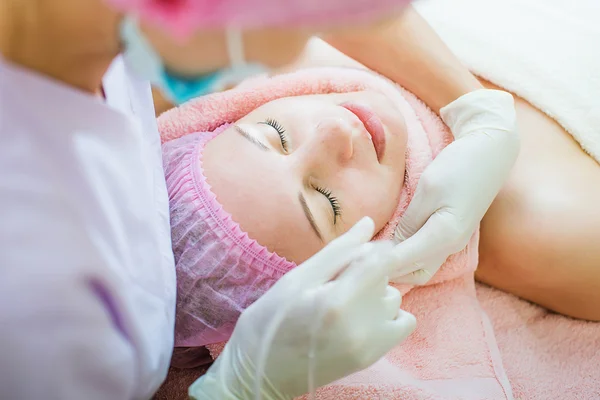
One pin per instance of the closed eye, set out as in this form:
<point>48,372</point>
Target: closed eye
<point>335,204</point>
<point>283,136</point>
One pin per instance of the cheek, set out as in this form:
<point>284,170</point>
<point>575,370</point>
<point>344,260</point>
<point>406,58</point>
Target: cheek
<point>376,197</point>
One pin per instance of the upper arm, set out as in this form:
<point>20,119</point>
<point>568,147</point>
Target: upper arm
<point>410,53</point>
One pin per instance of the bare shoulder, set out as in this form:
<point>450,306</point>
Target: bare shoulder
<point>540,239</point>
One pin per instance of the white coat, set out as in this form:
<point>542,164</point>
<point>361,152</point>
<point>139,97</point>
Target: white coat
<point>87,278</point>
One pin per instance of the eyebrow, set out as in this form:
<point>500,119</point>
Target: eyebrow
<point>309,216</point>
<point>251,139</point>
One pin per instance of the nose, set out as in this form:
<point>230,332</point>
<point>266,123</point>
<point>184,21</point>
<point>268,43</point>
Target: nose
<point>333,140</point>
<point>328,149</point>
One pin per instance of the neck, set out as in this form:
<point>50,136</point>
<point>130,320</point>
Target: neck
<point>73,41</point>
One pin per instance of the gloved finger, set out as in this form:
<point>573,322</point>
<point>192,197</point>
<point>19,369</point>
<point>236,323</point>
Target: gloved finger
<point>379,288</point>
<point>335,257</point>
<point>391,333</point>
<point>421,207</point>
<point>391,302</point>
<point>429,243</point>
<point>405,324</point>
<point>418,277</point>
<point>369,269</point>
<point>419,272</point>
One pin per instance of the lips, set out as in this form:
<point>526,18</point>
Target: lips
<point>372,124</point>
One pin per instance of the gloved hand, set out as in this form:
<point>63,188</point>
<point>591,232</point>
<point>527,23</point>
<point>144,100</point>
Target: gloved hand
<point>341,295</point>
<point>457,188</point>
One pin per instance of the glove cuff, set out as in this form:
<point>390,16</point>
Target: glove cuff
<point>231,377</point>
<point>480,109</point>
<point>219,382</point>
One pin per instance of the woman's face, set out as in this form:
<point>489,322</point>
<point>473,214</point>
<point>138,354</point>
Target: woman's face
<point>300,171</point>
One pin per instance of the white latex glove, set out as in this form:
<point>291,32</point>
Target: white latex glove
<point>345,289</point>
<point>458,187</point>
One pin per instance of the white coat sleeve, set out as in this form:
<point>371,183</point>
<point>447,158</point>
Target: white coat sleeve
<point>60,333</point>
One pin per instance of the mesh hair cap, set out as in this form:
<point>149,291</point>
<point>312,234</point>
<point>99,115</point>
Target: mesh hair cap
<point>220,270</point>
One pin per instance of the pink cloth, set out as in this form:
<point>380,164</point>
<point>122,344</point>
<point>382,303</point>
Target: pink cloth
<point>453,353</point>
<point>182,17</point>
<point>546,355</point>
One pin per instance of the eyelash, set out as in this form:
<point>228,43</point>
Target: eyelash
<point>335,204</point>
<point>280,130</point>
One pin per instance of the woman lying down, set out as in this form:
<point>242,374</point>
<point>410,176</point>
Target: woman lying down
<point>308,154</point>
<point>307,158</point>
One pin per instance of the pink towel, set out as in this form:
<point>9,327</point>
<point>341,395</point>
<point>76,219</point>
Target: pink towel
<point>177,383</point>
<point>546,355</point>
<point>453,353</point>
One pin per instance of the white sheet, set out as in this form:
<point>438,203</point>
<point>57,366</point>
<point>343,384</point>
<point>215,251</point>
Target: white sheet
<point>545,51</point>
